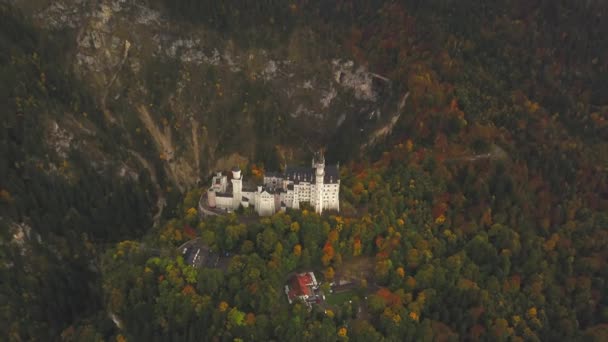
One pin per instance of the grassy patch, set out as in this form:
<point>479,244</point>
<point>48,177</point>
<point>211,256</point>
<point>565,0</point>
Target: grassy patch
<point>339,298</point>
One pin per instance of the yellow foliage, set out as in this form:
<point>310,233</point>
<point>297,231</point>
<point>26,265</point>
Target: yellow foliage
<point>329,273</point>
<point>414,316</point>
<point>295,227</point>
<point>297,250</point>
<point>191,212</point>
<point>325,259</point>
<point>532,106</point>
<point>329,313</point>
<point>409,145</point>
<point>177,235</point>
<point>5,196</point>
<point>550,244</point>
<point>400,222</point>
<point>396,318</point>
<point>516,319</point>
<point>400,272</point>
<point>120,338</point>
<point>440,219</point>
<point>421,298</point>
<point>223,306</point>
<point>342,332</point>
<point>532,312</point>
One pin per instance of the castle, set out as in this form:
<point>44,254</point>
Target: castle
<point>318,185</point>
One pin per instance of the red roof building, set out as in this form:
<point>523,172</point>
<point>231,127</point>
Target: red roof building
<point>301,285</point>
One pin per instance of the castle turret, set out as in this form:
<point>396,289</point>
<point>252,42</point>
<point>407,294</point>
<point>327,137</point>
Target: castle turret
<point>237,187</point>
<point>211,198</point>
<point>319,165</point>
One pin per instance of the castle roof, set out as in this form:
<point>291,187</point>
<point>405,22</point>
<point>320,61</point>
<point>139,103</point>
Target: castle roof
<point>273,174</point>
<point>249,187</point>
<point>298,174</point>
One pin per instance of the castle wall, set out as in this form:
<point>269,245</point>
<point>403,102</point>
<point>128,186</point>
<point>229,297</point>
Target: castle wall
<point>223,202</point>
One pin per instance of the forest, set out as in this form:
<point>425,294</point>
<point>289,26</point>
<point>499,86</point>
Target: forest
<point>483,216</point>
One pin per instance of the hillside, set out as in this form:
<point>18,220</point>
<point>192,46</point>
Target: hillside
<point>473,141</point>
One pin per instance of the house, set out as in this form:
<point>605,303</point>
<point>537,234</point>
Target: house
<point>303,286</point>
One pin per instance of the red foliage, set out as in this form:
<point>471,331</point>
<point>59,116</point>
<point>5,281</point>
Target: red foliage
<point>476,312</point>
<point>189,231</point>
<point>439,209</point>
<point>382,255</point>
<point>379,241</point>
<point>328,250</point>
<point>476,331</point>
<point>390,298</point>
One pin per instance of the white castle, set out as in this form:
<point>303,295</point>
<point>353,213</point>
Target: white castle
<point>318,185</point>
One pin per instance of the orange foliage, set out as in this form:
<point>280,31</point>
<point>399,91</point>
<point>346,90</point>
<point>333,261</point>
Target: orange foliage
<point>358,188</point>
<point>250,319</point>
<point>188,290</point>
<point>410,282</point>
<point>454,105</point>
<point>332,236</point>
<point>328,250</point>
<point>371,186</point>
<point>512,283</point>
<point>357,246</point>
<point>256,172</point>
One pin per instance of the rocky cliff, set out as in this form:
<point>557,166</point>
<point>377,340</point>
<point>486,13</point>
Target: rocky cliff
<point>189,99</point>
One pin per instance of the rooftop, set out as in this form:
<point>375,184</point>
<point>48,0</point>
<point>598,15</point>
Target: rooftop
<point>298,174</point>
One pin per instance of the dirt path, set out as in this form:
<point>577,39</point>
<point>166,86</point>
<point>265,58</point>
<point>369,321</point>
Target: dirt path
<point>496,153</point>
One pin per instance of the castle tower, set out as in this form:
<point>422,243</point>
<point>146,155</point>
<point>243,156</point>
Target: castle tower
<point>319,165</point>
<point>237,187</point>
